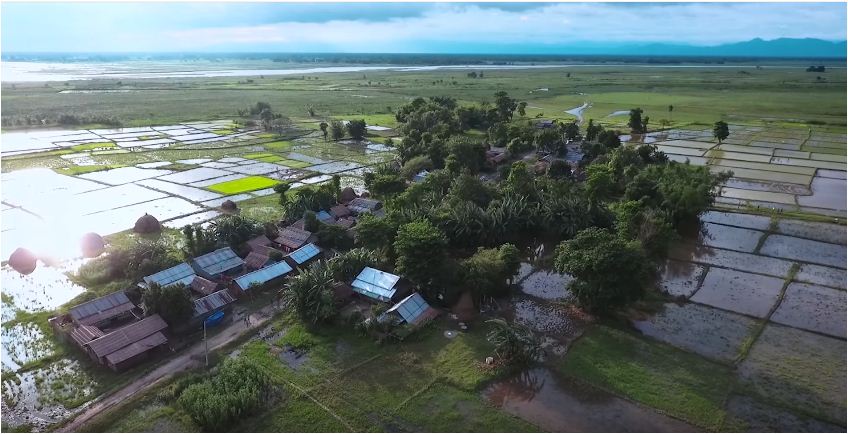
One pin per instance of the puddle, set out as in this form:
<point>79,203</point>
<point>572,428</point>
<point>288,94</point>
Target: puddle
<point>547,285</point>
<point>710,332</point>
<point>618,113</point>
<point>745,293</point>
<point>562,405</point>
<point>293,357</point>
<point>46,288</point>
<point>578,112</point>
<point>804,250</point>
<point>680,279</point>
<point>827,193</point>
<point>23,343</point>
<point>813,308</point>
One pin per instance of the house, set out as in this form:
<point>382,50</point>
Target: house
<point>178,274</point>
<point>293,238</point>
<point>103,311</point>
<point>84,334</point>
<point>412,310</point>
<point>362,205</point>
<point>256,260</point>
<point>128,345</point>
<point>217,264</point>
<point>495,157</point>
<point>340,211</point>
<point>420,176</point>
<point>377,285</point>
<point>203,286</point>
<point>258,242</point>
<point>262,275</point>
<point>205,306</point>
<point>304,255</point>
<point>346,222</point>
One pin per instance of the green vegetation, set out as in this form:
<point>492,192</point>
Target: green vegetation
<point>173,303</point>
<point>81,170</point>
<point>658,375</point>
<point>242,185</point>
<point>93,146</point>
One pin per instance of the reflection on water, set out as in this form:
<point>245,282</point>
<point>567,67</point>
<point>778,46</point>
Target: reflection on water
<point>561,405</point>
<point>45,288</point>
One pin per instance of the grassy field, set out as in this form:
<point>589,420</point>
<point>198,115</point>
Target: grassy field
<point>250,183</point>
<point>704,94</point>
<point>658,375</point>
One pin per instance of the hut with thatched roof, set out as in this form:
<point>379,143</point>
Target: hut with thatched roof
<point>92,245</point>
<point>229,207</point>
<point>147,224</point>
<point>347,195</point>
<point>23,261</point>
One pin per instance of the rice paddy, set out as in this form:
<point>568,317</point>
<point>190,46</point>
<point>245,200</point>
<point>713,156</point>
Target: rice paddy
<point>251,183</point>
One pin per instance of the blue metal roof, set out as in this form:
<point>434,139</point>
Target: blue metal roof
<point>182,273</point>
<point>304,253</point>
<point>263,275</point>
<point>375,284</point>
<point>323,215</point>
<point>219,261</point>
<point>410,308</point>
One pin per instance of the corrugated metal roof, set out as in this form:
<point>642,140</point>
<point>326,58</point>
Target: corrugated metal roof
<point>323,216</point>
<point>203,286</point>
<point>181,273</point>
<point>263,275</point>
<point>261,240</point>
<point>293,238</point>
<point>127,335</point>
<point>137,348</point>
<point>212,302</point>
<point>375,284</point>
<point>362,205</point>
<point>85,334</point>
<point>219,261</point>
<point>411,308</point>
<point>339,211</point>
<point>102,308</point>
<point>305,253</point>
<point>256,260</point>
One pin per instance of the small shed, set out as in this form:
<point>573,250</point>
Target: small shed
<point>103,311</point>
<point>362,205</point>
<point>324,216</point>
<point>203,286</point>
<point>340,211</point>
<point>292,238</point>
<point>85,334</point>
<point>205,306</point>
<point>129,344</point>
<point>215,264</point>
<point>263,275</point>
<point>304,254</point>
<point>256,260</point>
<point>180,273</point>
<point>376,284</point>
<point>260,241</point>
<point>412,310</point>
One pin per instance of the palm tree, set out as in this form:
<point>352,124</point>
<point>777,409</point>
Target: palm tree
<point>311,293</point>
<point>515,344</point>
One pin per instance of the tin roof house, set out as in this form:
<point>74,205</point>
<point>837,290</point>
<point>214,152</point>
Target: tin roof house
<point>102,311</point>
<point>178,274</point>
<point>262,275</point>
<point>377,285</point>
<point>412,310</point>
<point>217,264</point>
<point>128,345</point>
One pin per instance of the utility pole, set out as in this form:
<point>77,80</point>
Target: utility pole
<point>206,343</point>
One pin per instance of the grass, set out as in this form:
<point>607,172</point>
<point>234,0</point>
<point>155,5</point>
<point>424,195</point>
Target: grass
<point>658,375</point>
<point>92,146</point>
<point>80,170</point>
<point>242,185</point>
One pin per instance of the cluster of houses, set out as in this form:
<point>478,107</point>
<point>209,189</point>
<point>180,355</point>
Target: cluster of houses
<point>114,332</point>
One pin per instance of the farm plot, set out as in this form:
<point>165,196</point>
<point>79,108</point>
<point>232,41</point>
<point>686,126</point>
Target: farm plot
<point>800,249</point>
<point>242,185</point>
<point>745,293</point>
<point>680,279</point>
<point>813,308</point>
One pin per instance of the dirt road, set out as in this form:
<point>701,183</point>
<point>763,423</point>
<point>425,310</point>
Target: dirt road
<point>191,357</point>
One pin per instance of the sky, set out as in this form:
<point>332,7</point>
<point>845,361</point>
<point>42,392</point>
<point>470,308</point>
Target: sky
<point>402,27</point>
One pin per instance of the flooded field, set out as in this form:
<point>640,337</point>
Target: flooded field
<point>547,285</point>
<point>680,279</point>
<point>559,405</point>
<point>813,308</point>
<point>799,249</point>
<point>745,293</point>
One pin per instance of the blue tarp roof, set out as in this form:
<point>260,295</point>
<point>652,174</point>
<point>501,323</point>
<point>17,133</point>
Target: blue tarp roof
<point>323,215</point>
<point>304,253</point>
<point>219,261</point>
<point>410,308</point>
<point>375,284</point>
<point>181,273</point>
<point>263,275</point>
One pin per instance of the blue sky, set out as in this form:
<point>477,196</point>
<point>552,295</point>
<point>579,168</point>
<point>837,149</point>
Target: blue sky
<point>402,27</point>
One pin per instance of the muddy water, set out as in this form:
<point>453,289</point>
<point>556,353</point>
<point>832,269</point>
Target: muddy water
<point>548,318</point>
<point>293,357</point>
<point>547,285</point>
<point>710,332</point>
<point>730,259</point>
<point>813,308</point>
<point>818,274</point>
<point>45,288</point>
<point>827,193</point>
<point>618,113</point>
<point>736,219</point>
<point>745,293</point>
<point>23,343</point>
<point>827,232</point>
<point>680,279</point>
<point>817,252</point>
<point>761,417</point>
<point>775,187</point>
<point>560,405</point>
<point>726,237</point>
<point>638,138</point>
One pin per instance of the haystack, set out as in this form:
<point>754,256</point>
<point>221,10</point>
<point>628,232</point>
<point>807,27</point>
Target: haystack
<point>92,245</point>
<point>147,224</point>
<point>347,195</point>
<point>229,207</point>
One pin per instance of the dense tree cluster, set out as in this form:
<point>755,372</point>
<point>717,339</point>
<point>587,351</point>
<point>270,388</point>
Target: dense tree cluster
<point>173,303</point>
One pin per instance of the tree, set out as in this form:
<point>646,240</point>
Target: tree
<point>356,128</point>
<point>267,118</point>
<point>310,110</point>
<point>235,229</point>
<point>504,105</point>
<point>310,293</point>
<point>488,271</point>
<point>415,165</point>
<point>670,109</point>
<point>645,124</point>
<point>469,153</point>
<point>635,122</point>
<point>348,265</point>
<point>245,385</point>
<point>522,106</point>
<point>385,184</point>
<point>610,272</point>
<point>721,131</point>
<point>572,131</point>
<point>310,221</point>
<point>375,233</point>
<point>173,303</point>
<point>337,130</point>
<point>514,343</point>
<point>282,189</point>
<point>323,126</point>
<point>559,169</point>
<point>198,241</point>
<point>650,226</point>
<point>593,130</point>
<point>333,237</point>
<point>610,139</point>
<point>600,183</point>
<point>420,248</point>
<point>548,139</point>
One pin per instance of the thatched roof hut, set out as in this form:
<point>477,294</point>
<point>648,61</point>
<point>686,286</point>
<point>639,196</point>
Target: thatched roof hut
<point>229,206</point>
<point>92,245</point>
<point>147,224</point>
<point>23,261</point>
<point>347,195</point>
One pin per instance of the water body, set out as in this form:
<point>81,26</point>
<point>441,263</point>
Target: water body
<point>560,405</point>
<point>578,112</point>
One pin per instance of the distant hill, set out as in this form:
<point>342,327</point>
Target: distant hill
<point>783,47</point>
